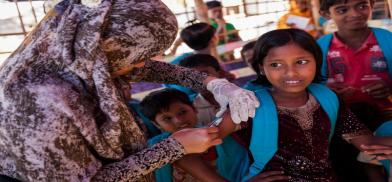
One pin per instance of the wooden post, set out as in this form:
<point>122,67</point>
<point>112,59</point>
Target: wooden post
<point>20,18</point>
<point>201,11</point>
<point>32,9</point>
<point>389,2</point>
<point>315,12</point>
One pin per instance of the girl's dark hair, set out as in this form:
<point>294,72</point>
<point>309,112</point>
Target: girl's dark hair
<point>278,38</point>
<point>159,101</point>
<point>248,46</point>
<point>198,35</point>
<point>196,60</point>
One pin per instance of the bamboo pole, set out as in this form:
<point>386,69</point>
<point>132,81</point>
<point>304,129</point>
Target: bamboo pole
<point>389,2</point>
<point>201,11</point>
<point>20,18</point>
<point>315,12</point>
<point>33,10</point>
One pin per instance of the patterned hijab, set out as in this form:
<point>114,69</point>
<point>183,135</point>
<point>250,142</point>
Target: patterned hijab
<point>90,43</point>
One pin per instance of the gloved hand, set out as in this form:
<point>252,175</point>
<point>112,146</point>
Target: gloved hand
<point>242,103</point>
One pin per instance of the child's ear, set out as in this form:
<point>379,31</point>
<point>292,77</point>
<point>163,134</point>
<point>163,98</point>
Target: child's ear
<point>325,14</point>
<point>261,68</point>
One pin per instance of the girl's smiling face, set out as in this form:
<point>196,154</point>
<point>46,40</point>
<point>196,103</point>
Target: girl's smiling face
<point>289,68</point>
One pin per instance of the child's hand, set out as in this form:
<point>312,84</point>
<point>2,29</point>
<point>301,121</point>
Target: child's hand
<point>220,22</point>
<point>269,176</point>
<point>344,91</point>
<point>381,151</point>
<point>377,89</point>
<point>291,25</point>
<point>221,29</point>
<point>197,140</point>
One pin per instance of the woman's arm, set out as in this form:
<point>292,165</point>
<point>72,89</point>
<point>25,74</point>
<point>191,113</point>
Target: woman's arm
<point>242,103</point>
<point>142,163</point>
<point>169,150</point>
<point>161,72</point>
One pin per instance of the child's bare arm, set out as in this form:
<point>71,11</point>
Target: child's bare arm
<point>270,176</point>
<point>380,147</point>
<point>198,168</point>
<point>227,126</point>
<point>370,143</point>
<point>358,141</point>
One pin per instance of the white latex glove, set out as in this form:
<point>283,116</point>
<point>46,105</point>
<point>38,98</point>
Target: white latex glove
<point>242,103</point>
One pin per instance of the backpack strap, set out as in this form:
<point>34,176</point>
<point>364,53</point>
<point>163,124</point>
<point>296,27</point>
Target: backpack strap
<point>324,43</point>
<point>264,139</point>
<point>384,40</point>
<point>233,159</point>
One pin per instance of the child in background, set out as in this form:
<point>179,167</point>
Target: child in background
<point>202,39</point>
<point>247,52</point>
<point>171,111</point>
<point>204,103</point>
<point>292,129</point>
<point>226,31</point>
<point>302,9</point>
<point>357,61</point>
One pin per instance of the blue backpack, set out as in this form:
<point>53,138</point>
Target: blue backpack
<point>252,86</point>
<point>264,140</point>
<point>384,39</point>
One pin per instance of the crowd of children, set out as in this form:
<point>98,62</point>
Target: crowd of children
<point>326,107</point>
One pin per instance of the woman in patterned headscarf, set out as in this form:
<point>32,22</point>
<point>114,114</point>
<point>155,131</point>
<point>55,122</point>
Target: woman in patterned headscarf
<point>62,116</point>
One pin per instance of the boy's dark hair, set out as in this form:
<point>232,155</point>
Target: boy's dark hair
<point>248,46</point>
<point>213,4</point>
<point>160,100</point>
<point>281,37</point>
<point>196,60</point>
<point>326,4</point>
<point>198,35</point>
